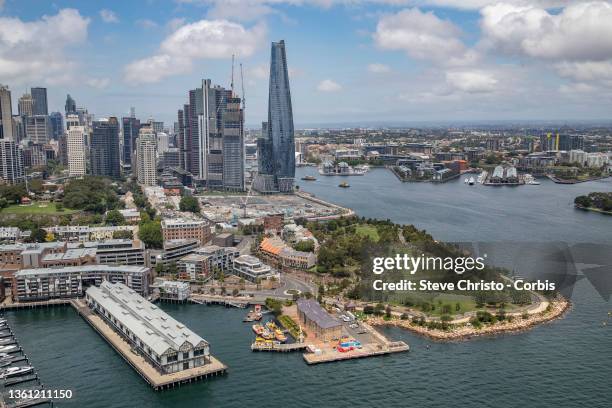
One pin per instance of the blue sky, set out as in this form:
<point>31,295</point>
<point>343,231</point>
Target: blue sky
<point>350,60</point>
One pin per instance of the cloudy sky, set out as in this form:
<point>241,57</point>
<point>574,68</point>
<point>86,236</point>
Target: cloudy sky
<point>349,60</point>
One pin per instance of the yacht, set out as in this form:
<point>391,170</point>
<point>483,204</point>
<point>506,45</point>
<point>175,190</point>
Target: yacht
<point>14,371</point>
<point>471,181</point>
<point>344,184</point>
<point>8,349</point>
<point>530,180</point>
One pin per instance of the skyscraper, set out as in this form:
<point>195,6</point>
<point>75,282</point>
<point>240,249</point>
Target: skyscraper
<point>146,156</point>
<point>11,162</point>
<point>276,147</point>
<point>39,96</point>
<point>57,125</point>
<point>75,141</point>
<point>70,107</point>
<point>131,127</point>
<point>105,148</point>
<point>25,105</point>
<point>38,129</point>
<point>205,125</point>
<point>7,130</point>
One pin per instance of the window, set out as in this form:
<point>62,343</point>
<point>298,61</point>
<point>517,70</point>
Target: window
<point>185,356</point>
<point>172,358</point>
<point>186,365</point>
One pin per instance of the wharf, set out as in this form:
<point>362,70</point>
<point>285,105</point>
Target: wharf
<point>368,350</point>
<point>278,347</point>
<point>34,305</point>
<point>148,373</point>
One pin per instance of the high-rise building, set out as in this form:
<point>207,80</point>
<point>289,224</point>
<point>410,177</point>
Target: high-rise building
<point>11,162</point>
<point>70,107</point>
<point>163,142</point>
<point>38,129</point>
<point>39,106</point>
<point>75,144</point>
<point>146,156</point>
<point>276,147</point>
<point>233,145</point>
<point>57,124</point>
<point>72,120</point>
<point>204,126</point>
<point>25,105</point>
<point>104,148</point>
<point>561,141</point>
<point>7,129</point>
<point>131,127</point>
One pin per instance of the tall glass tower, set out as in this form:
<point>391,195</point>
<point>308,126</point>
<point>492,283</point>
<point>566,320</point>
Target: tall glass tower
<point>276,148</point>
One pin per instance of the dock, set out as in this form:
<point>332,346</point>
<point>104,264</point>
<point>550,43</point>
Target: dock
<point>34,305</point>
<point>282,348</point>
<point>368,350</point>
<point>149,374</point>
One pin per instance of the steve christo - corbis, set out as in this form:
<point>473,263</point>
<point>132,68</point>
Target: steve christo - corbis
<point>458,265</point>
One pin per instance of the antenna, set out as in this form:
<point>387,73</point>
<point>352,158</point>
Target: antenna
<point>232,84</point>
<point>242,85</point>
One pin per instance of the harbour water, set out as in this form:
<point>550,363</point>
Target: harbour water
<point>561,364</point>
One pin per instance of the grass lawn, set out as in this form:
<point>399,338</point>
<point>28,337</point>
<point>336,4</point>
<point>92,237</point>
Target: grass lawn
<point>36,208</point>
<point>367,231</point>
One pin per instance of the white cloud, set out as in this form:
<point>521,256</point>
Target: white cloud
<point>146,23</point>
<point>35,50</point>
<point>586,71</point>
<point>200,40</point>
<point>99,83</point>
<point>377,68</point>
<point>327,85</point>
<point>473,81</point>
<point>581,31</point>
<point>421,35</point>
<point>108,16</point>
<point>175,23</point>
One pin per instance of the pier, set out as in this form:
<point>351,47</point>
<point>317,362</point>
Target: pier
<point>368,350</point>
<point>282,348</point>
<point>149,374</point>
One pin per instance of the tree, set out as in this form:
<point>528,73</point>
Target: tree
<point>123,234</point>
<point>151,234</point>
<point>38,235</point>
<point>13,193</point>
<point>583,201</point>
<point>305,246</point>
<point>235,292</point>
<point>189,203</point>
<point>388,312</point>
<point>114,217</point>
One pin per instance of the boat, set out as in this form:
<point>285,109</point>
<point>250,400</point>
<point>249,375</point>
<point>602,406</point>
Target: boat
<point>8,349</point>
<point>309,178</point>
<point>278,334</point>
<point>253,316</point>
<point>258,329</point>
<point>14,371</point>
<point>466,180</point>
<point>6,342</point>
<point>530,180</point>
<point>471,181</point>
<point>344,184</point>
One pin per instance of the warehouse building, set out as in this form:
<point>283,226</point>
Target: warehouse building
<point>315,318</point>
<point>166,343</point>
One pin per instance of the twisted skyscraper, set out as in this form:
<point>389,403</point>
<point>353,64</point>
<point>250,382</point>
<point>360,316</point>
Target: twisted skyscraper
<point>276,147</point>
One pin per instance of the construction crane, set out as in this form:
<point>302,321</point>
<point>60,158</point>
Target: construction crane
<point>242,85</point>
<point>232,83</point>
<point>246,199</point>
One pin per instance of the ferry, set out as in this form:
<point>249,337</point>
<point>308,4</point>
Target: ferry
<point>530,180</point>
<point>309,178</point>
<point>14,371</point>
<point>344,184</point>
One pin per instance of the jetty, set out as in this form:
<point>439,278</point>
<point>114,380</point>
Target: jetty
<point>282,348</point>
<point>149,374</point>
<point>368,350</point>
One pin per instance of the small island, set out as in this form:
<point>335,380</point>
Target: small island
<point>598,202</point>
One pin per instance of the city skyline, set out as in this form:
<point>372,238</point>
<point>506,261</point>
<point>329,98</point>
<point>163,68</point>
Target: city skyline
<point>352,61</point>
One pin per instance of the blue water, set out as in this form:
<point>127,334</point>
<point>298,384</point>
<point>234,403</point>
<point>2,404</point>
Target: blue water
<point>565,363</point>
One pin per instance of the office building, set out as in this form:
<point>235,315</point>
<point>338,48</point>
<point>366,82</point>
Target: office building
<point>11,162</point>
<point>39,105</point>
<point>174,291</point>
<point>146,157</point>
<point>105,148</point>
<point>163,142</point>
<point>252,269</point>
<point>7,129</point>
<point>70,106</point>
<point>57,125</point>
<point>276,147</point>
<point>165,343</point>
<point>38,129</point>
<point>76,154</point>
<point>210,137</point>
<point>25,105</point>
<point>131,127</point>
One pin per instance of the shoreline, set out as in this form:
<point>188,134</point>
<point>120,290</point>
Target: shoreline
<point>593,209</point>
<point>559,308</point>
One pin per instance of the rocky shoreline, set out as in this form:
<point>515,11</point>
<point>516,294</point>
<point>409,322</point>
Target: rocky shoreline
<point>558,309</point>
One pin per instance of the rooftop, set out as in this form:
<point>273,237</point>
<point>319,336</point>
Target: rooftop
<point>82,269</point>
<point>316,313</point>
<point>158,331</point>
